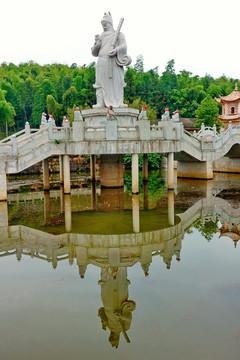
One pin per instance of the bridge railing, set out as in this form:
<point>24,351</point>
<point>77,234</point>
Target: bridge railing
<point>30,142</point>
<point>191,139</point>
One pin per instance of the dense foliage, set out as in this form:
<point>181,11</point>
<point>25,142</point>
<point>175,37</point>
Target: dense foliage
<point>29,89</point>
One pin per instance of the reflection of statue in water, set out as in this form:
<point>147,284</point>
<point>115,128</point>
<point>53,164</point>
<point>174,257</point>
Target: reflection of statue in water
<point>117,311</point>
<point>111,49</point>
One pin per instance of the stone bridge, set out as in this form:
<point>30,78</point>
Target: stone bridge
<point>97,135</point>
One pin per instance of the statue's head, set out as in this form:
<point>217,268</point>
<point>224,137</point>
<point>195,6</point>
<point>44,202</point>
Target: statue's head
<point>114,338</point>
<point>106,21</point>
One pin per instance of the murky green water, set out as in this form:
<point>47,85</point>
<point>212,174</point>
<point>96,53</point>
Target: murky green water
<point>103,274</point>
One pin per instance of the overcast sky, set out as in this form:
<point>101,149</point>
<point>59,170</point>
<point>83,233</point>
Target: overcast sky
<point>201,36</point>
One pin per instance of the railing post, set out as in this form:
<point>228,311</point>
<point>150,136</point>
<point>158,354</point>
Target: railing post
<point>214,130</point>
<point>50,130</point>
<point>14,146</point>
<point>78,126</point>
<point>27,128</point>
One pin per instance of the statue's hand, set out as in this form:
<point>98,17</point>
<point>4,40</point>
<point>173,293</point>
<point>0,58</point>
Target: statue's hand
<point>97,40</point>
<point>112,52</point>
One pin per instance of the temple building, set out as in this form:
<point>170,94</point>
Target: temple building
<point>230,108</point>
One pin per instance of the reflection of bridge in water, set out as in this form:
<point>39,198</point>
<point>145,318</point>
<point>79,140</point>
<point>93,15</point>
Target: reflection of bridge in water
<point>115,250</point>
<point>113,254</point>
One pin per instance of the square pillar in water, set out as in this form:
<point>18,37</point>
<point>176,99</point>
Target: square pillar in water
<point>111,170</point>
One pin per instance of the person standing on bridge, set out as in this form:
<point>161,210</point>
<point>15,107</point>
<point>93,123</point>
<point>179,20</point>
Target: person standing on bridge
<point>111,49</point>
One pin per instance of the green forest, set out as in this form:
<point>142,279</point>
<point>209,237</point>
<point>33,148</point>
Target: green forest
<point>28,89</point>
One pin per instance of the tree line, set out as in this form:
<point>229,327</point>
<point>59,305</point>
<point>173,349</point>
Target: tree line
<point>28,89</point>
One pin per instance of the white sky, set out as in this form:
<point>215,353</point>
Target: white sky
<point>201,36</point>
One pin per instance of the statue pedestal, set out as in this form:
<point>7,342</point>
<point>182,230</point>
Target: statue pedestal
<point>111,170</point>
<point>111,166</point>
<point>98,117</point>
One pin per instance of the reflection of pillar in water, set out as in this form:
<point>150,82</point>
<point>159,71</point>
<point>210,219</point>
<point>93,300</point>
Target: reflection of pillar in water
<point>47,207</point>
<point>171,207</point>
<point>93,195</point>
<point>135,213</point>
<point>62,198</point>
<point>3,213</point>
<point>68,212</point>
<point>112,199</point>
<point>145,195</point>
<point>209,188</point>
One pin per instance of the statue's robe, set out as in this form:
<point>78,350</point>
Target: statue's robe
<point>109,70</point>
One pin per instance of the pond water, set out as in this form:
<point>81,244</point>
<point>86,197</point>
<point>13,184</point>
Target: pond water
<point>101,274</point>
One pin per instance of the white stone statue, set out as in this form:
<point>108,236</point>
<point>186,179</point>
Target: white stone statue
<point>110,113</point>
<point>143,114</point>
<point>166,116</point>
<point>44,119</point>
<point>111,49</point>
<point>175,115</point>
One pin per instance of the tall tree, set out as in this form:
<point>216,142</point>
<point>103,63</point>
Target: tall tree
<point>207,112</point>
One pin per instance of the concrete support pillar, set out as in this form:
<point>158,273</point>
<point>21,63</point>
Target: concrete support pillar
<point>135,213</point>
<point>93,167</point>
<point>3,213</point>
<point>61,169</point>
<point>135,185</point>
<point>68,212</point>
<point>145,167</point>
<point>3,186</point>
<point>66,174</point>
<point>195,169</point>
<point>227,165</point>
<point>45,169</point>
<point>171,207</point>
<point>62,198</point>
<point>111,169</point>
<point>170,171</point>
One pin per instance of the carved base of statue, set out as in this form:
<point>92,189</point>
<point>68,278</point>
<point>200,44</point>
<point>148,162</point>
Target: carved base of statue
<point>125,116</point>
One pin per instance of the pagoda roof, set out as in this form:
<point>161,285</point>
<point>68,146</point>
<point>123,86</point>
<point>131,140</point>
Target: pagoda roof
<point>234,96</point>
